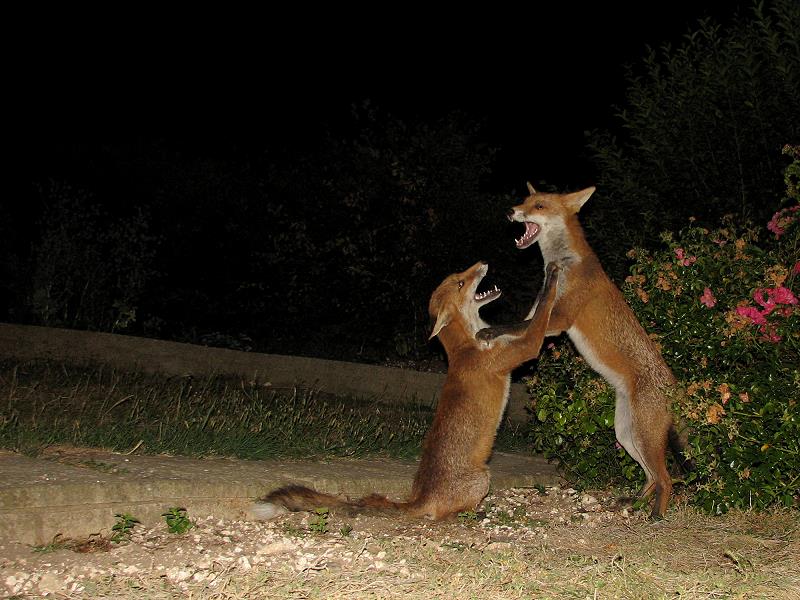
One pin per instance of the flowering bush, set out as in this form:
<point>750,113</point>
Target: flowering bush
<point>722,305</point>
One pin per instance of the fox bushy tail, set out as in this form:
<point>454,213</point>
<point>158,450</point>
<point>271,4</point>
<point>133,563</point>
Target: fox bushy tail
<point>294,498</point>
<point>678,440</point>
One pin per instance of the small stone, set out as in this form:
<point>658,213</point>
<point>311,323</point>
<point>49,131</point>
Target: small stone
<point>49,584</point>
<point>178,574</point>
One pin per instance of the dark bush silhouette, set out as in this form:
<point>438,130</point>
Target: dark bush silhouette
<point>701,130</point>
<point>89,270</point>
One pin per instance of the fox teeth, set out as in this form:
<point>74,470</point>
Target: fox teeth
<point>483,295</point>
<point>531,230</point>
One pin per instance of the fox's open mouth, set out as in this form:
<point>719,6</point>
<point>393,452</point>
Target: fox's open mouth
<point>531,231</point>
<point>488,295</point>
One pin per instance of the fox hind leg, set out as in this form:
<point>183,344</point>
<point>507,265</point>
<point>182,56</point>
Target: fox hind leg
<point>652,450</point>
<point>464,493</point>
<point>646,443</point>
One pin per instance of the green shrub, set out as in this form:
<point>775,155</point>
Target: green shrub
<point>722,306</point>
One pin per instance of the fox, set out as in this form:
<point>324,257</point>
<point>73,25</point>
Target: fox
<point>592,311</point>
<point>452,475</point>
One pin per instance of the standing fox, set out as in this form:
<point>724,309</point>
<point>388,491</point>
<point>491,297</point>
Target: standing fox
<point>593,312</point>
<point>452,476</point>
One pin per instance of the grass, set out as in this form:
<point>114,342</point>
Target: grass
<point>47,403</point>
<point>58,543</point>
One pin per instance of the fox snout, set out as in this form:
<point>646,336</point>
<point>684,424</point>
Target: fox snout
<point>480,267</point>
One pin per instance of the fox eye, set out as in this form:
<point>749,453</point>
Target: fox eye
<point>460,284</point>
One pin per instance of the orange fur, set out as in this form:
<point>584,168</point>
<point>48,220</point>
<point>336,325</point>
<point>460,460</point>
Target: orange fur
<point>452,475</point>
<point>594,314</point>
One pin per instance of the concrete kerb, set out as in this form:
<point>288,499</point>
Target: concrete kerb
<point>76,493</point>
<point>381,384</point>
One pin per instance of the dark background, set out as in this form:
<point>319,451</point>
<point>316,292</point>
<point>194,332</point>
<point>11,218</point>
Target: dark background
<point>234,85</point>
<point>202,177</point>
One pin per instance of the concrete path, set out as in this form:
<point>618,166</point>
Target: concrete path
<point>77,492</point>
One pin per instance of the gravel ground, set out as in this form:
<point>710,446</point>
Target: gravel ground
<point>215,552</point>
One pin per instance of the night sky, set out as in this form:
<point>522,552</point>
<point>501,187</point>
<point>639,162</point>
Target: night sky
<point>235,84</point>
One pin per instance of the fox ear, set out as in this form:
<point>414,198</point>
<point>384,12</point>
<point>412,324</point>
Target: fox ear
<point>442,320</point>
<point>530,188</point>
<point>576,200</point>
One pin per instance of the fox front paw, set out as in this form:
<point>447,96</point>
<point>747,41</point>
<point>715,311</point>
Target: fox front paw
<point>486,334</point>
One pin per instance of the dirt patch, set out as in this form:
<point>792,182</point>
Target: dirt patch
<point>523,543</point>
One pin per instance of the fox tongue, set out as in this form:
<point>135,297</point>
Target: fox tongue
<point>531,229</point>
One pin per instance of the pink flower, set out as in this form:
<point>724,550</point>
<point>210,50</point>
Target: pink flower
<point>751,313</point>
<point>769,334</point>
<point>769,299</point>
<point>683,259</point>
<point>768,303</point>
<point>708,298</point>
<point>774,296</point>
<point>782,295</point>
<point>796,269</point>
<point>774,227</point>
<point>780,220</point>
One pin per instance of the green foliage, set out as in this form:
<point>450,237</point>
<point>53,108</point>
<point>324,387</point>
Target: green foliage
<point>345,530</point>
<point>319,521</point>
<point>58,543</point>
<point>467,517</point>
<point>177,521</point>
<point>123,527</point>
<point>700,131</point>
<point>722,306</point>
<point>292,530</point>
